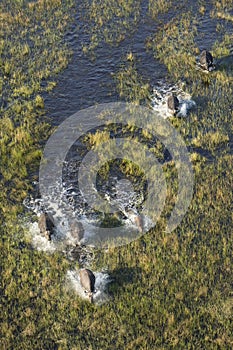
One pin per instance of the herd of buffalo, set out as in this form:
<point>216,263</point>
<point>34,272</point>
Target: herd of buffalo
<point>46,222</point>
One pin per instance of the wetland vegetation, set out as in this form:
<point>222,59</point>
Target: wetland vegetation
<point>169,291</point>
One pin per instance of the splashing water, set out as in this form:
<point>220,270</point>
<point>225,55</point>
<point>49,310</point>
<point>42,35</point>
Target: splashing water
<point>119,193</point>
<point>185,107</point>
<point>159,100</point>
<point>41,243</point>
<point>102,279</point>
<point>84,255</point>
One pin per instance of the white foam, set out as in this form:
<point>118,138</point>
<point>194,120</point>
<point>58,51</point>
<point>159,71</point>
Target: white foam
<point>185,107</point>
<point>159,100</point>
<point>38,241</point>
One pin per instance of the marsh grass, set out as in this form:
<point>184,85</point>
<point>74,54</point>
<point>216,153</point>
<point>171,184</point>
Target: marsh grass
<point>130,85</point>
<point>157,7</point>
<point>31,50</point>
<point>223,9</point>
<point>110,21</point>
<point>199,244</point>
<point>174,45</point>
<point>211,140</point>
<point>168,290</point>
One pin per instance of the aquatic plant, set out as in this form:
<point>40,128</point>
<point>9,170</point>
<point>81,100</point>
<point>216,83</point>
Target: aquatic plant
<point>168,290</point>
<point>130,84</point>
<point>110,21</point>
<point>32,50</point>
<point>159,6</point>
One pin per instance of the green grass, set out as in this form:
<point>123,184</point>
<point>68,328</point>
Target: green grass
<point>109,21</point>
<point>169,291</point>
<point>130,84</point>
<point>174,45</point>
<point>157,7</point>
<point>32,50</point>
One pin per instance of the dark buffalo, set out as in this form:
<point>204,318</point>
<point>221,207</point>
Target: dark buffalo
<point>173,104</point>
<point>77,231</point>
<point>46,225</point>
<point>206,60</point>
<point>87,280</point>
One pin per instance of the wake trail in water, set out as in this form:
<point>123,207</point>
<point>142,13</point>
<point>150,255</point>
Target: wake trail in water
<point>160,95</point>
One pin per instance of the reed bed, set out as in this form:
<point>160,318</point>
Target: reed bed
<point>168,290</point>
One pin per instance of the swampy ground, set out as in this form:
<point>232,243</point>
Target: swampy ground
<point>169,291</point>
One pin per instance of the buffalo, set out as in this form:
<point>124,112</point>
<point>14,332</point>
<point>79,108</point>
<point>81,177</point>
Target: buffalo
<point>173,104</point>
<point>76,231</point>
<point>206,60</point>
<point>46,225</point>
<point>87,280</point>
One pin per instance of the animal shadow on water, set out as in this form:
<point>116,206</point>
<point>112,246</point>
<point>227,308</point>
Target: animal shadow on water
<point>225,63</point>
<point>122,277</point>
<point>201,102</point>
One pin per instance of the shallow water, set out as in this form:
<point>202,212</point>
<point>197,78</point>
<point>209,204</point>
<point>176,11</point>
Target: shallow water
<point>86,82</point>
<point>70,205</point>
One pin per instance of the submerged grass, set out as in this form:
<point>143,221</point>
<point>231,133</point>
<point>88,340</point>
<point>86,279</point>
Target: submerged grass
<point>174,45</point>
<point>169,291</point>
<point>32,53</point>
<point>157,7</point>
<point>110,21</point>
<point>130,85</point>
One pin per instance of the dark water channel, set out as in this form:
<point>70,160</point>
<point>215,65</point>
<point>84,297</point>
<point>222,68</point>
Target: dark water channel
<point>86,82</point>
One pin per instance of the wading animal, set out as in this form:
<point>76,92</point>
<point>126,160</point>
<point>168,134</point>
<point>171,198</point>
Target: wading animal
<point>139,223</point>
<point>46,225</point>
<point>87,280</point>
<point>135,218</point>
<point>76,231</point>
<point>206,60</point>
<point>173,104</point>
